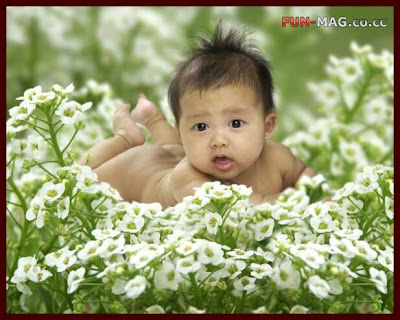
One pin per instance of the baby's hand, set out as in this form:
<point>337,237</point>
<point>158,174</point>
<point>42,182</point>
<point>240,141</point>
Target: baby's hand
<point>125,127</point>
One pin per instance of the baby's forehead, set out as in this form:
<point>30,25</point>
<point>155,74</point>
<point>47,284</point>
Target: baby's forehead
<point>225,88</point>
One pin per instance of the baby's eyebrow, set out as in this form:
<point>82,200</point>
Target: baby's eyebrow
<point>238,110</point>
<point>198,115</point>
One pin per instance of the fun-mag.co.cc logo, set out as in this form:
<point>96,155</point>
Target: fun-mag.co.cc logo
<point>328,22</point>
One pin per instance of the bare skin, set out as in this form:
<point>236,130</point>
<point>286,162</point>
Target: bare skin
<point>162,172</point>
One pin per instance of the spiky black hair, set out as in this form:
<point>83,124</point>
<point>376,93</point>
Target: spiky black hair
<point>227,58</point>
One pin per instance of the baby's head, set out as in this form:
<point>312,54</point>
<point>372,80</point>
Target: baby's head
<point>227,58</point>
<point>222,101</point>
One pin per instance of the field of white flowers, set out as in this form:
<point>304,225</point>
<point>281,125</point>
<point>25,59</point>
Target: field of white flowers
<point>74,245</point>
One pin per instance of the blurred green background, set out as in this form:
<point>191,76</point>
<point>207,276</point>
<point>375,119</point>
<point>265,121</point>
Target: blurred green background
<point>135,49</point>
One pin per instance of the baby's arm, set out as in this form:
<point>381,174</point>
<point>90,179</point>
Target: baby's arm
<point>126,136</point>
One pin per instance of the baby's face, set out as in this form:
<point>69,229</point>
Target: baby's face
<point>222,130</point>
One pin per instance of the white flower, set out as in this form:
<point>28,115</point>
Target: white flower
<point>352,205</point>
<point>64,93</point>
<point>75,277</point>
<point>51,191</point>
<point>187,265</point>
<point>102,234</point>
<point>70,112</point>
<point>23,111</point>
<point>62,259</point>
<point>336,164</point>
<point>156,309</point>
<point>326,93</point>
<point>348,70</point>
<point>145,255</point>
<point>366,182</point>
<point>38,275</point>
<point>131,224</point>
<point>386,258</point>
<point>298,309</point>
<point>284,216</point>
<point>167,277</point>
<point>318,209</point>
<point>264,229</point>
<point>363,249</point>
<point>18,146</point>
<point>351,151</point>
<point>212,221</point>
<point>232,268</point>
<point>135,287</point>
<point>323,224</point>
<point>242,190</point>
<point>240,254</point>
<point>260,310</point>
<point>312,182</point>
<point>102,205</point>
<point>377,60</point>
<point>343,246</point>
<point>25,266</point>
<point>220,193</point>
<point>285,276</point>
<point>260,271</point>
<point>389,207</point>
<point>23,288</point>
<point>35,208</point>
<point>356,49</point>
<point>63,208</point>
<point>347,190</point>
<point>86,181</point>
<point>245,284</point>
<point>44,98</point>
<point>90,250</point>
<point>210,252</point>
<point>351,234</point>
<point>119,287</point>
<point>379,278</point>
<point>14,126</point>
<point>336,286</point>
<point>187,247</point>
<point>110,247</point>
<point>30,94</point>
<point>36,147</point>
<point>319,287</point>
<point>193,310</point>
<point>308,255</point>
<point>376,110</point>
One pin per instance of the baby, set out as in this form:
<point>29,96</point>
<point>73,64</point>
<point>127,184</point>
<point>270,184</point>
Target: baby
<point>221,97</point>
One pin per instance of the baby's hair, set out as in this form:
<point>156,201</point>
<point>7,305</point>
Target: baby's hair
<point>227,58</point>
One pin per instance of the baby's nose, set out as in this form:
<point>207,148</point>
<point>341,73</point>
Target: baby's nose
<point>219,140</point>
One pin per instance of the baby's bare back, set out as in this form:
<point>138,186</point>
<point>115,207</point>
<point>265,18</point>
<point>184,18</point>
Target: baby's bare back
<point>142,173</point>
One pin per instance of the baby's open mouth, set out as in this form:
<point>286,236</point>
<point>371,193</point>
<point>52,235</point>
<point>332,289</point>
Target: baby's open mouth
<point>222,163</point>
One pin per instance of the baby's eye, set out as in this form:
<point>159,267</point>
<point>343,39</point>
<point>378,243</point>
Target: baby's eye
<point>236,123</point>
<point>200,127</point>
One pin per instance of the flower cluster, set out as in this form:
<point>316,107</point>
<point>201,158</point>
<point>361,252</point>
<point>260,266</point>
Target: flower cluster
<point>356,104</point>
<point>77,243</point>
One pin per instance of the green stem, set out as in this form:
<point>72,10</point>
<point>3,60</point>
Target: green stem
<point>197,292</point>
<point>70,141</point>
<point>360,98</point>
<point>50,243</point>
<point>25,227</point>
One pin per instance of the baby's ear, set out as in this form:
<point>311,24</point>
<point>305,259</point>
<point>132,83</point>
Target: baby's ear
<point>270,122</point>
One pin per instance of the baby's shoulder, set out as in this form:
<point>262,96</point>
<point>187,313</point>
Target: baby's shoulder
<point>277,153</point>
